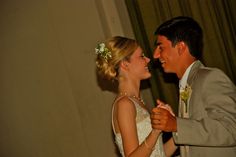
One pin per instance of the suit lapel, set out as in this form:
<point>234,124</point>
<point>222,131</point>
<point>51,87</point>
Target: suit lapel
<point>184,150</point>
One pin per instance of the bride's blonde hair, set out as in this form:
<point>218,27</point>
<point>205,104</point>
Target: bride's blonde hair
<point>113,51</point>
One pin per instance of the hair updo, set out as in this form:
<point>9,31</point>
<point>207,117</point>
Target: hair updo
<point>114,51</point>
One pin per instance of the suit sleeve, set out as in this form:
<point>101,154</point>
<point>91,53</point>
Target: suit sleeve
<point>217,126</point>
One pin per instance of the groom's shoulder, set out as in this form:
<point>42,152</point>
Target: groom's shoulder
<point>209,70</point>
<point>213,73</point>
<point>204,72</point>
<point>201,69</point>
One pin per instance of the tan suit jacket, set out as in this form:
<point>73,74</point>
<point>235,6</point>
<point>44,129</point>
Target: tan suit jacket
<point>210,130</point>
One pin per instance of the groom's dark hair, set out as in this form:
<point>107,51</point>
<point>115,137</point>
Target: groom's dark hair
<point>184,29</point>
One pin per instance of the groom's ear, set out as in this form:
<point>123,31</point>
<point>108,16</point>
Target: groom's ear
<point>181,47</point>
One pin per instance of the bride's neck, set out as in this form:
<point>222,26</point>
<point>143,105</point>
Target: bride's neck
<point>129,87</point>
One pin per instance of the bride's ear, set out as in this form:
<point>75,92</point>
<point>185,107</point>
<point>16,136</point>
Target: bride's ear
<point>124,65</point>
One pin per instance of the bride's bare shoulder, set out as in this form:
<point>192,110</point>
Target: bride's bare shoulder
<point>124,102</point>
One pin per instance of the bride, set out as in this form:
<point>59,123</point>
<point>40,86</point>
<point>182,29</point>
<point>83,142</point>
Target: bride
<point>122,59</point>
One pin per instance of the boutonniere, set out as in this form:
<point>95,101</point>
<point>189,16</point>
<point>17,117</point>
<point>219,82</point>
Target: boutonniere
<point>185,94</point>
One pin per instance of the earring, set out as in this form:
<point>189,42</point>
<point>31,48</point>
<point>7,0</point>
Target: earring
<point>120,78</point>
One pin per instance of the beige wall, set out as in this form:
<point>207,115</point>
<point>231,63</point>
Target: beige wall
<point>50,103</point>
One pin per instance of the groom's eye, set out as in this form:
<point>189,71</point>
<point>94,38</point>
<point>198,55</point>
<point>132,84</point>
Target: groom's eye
<point>160,48</point>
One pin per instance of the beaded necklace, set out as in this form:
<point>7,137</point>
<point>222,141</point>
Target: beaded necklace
<point>138,99</point>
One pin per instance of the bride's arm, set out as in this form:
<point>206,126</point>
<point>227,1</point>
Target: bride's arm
<point>170,147</point>
<point>126,114</point>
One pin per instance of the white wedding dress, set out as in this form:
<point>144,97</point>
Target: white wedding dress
<point>144,127</point>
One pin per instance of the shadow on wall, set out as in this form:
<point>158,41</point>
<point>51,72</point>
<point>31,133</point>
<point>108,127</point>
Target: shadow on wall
<point>111,86</point>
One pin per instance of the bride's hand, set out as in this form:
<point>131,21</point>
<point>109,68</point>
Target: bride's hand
<point>161,104</point>
<point>156,131</point>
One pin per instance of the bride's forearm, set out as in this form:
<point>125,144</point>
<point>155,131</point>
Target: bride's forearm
<point>148,145</point>
<point>170,147</point>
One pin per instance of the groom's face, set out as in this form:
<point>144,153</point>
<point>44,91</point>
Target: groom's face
<point>167,54</point>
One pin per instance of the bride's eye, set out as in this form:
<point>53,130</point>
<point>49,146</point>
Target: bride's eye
<point>143,55</point>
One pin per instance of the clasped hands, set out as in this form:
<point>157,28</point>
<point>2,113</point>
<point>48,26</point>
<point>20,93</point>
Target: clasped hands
<point>163,118</point>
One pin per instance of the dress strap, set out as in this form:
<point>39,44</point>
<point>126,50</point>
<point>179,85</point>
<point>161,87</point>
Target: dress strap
<point>113,106</point>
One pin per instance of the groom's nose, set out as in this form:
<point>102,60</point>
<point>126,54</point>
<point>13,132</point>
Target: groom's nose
<point>156,53</point>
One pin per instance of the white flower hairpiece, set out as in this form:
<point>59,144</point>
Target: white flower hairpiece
<point>103,51</point>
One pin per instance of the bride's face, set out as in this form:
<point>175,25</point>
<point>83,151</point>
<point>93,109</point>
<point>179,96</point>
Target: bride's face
<point>138,65</point>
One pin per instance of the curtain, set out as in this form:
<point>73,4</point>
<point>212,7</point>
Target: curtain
<point>218,21</point>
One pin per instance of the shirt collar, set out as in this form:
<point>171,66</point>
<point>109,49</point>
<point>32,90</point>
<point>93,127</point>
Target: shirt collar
<point>183,80</point>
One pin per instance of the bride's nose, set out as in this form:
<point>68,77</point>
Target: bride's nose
<point>147,59</point>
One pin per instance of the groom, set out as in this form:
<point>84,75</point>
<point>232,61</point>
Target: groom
<point>206,124</point>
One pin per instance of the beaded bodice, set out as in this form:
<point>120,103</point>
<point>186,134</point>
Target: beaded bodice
<point>144,127</point>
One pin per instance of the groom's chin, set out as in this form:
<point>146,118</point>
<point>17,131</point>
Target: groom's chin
<point>166,70</point>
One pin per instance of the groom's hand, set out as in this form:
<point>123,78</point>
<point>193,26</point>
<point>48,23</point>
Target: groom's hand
<point>163,120</point>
